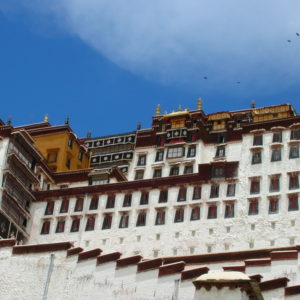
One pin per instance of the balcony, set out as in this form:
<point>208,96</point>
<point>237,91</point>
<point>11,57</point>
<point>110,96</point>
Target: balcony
<point>13,156</point>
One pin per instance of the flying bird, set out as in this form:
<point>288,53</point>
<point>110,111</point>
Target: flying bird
<point>204,77</point>
<point>289,41</point>
<point>238,82</point>
<point>297,34</point>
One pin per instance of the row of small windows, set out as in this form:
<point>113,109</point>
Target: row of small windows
<point>276,154</point>
<point>182,194</point>
<point>160,219</point>
<point>277,137</point>
<point>144,199</point>
<point>176,152</point>
<point>141,219</point>
<point>274,184</point>
<point>157,172</point>
<point>173,152</point>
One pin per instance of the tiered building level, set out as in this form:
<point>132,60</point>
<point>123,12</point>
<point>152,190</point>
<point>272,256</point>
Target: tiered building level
<point>192,184</point>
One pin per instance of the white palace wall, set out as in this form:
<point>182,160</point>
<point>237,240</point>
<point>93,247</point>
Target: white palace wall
<point>241,232</point>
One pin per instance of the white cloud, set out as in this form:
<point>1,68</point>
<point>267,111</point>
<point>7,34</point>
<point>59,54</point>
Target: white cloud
<point>179,42</point>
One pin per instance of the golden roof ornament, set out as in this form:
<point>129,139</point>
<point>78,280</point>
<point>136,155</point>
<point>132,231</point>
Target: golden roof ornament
<point>157,110</point>
<point>179,108</point>
<point>46,118</point>
<point>199,104</point>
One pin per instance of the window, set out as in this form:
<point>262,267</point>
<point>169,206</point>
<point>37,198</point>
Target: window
<point>221,138</point>
<point>127,200</point>
<point>253,207</point>
<point>64,206</point>
<point>124,220</point>
<point>294,182</point>
<point>68,163</point>
<point>175,152</point>
<point>75,225</point>
<point>293,202</point>
<point>94,203</point>
<point>110,203</point>
<point>277,137</point>
<point>79,204</point>
<point>157,173</point>
<point>276,154</point>
<point>90,223</point>
<point>181,194</point>
<point>188,169</point>
<point>142,160</point>
<point>257,140</point>
<point>197,192</point>
<point>52,157</point>
<point>80,155</point>
<point>141,219</point>
<point>218,171</point>
<point>229,210</point>
<point>214,191</point>
<point>191,151</point>
<point>160,217</point>
<point>179,215</point>
<point>195,213</point>
<point>256,157</point>
<point>139,175</point>
<point>60,227</point>
<point>274,184</point>
<point>49,208</point>
<point>159,156</point>
<point>163,196</point>
<point>294,152</point>
<point>144,198</point>
<point>295,134</point>
<point>70,143</point>
<point>212,211</point>
<point>45,227</point>
<point>230,190</point>
<point>107,222</point>
<point>220,151</point>
<point>174,171</point>
<point>273,205</point>
<point>255,187</point>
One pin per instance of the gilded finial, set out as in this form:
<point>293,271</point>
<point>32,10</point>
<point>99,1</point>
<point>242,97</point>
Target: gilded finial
<point>89,134</point>
<point>139,125</point>
<point>199,104</point>
<point>253,104</point>
<point>46,118</point>
<point>67,120</point>
<point>179,108</point>
<point>157,110</point>
<point>9,121</point>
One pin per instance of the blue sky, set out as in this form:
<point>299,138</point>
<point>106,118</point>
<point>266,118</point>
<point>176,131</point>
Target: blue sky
<point>106,64</point>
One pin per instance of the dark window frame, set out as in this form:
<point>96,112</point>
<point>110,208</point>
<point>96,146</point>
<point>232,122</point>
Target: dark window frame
<point>142,160</point>
<point>197,192</point>
<point>195,213</point>
<point>127,200</point>
<point>163,196</point>
<point>179,215</point>
<point>79,204</point>
<point>60,226</point>
<point>46,227</point>
<point>191,151</point>
<point>94,203</point>
<point>110,201</point>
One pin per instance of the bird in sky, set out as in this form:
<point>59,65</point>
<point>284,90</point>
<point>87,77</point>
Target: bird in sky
<point>297,34</point>
<point>289,41</point>
<point>204,77</point>
<point>238,82</point>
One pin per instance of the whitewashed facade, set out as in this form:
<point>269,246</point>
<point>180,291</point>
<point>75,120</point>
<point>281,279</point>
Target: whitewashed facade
<point>256,208</point>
